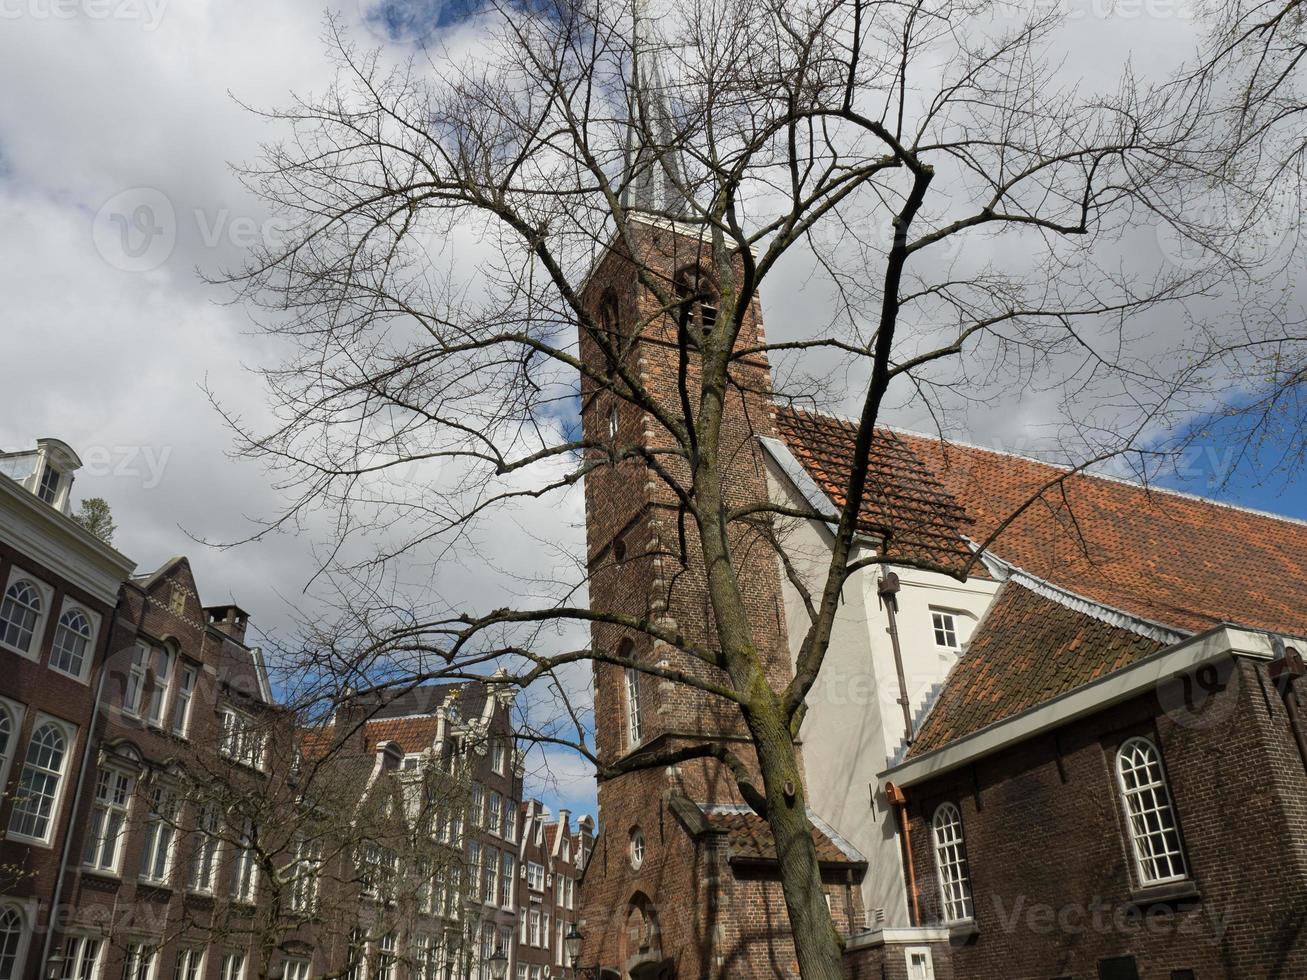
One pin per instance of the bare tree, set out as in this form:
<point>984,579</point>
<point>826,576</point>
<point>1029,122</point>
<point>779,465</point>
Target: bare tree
<point>970,213</point>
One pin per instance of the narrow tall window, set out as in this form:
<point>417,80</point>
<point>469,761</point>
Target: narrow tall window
<point>494,803</point>
<point>48,489</point>
<point>296,968</point>
<point>233,967</point>
<point>181,709</point>
<point>161,661</point>
<point>698,300</point>
<point>11,942</point>
<point>81,958</point>
<point>160,833</point>
<point>951,861</point>
<point>204,852</point>
<point>506,879</point>
<point>245,868</point>
<point>113,791</point>
<point>489,875</point>
<point>19,614</point>
<point>632,707</point>
<point>71,639</point>
<point>386,957</point>
<point>945,626</point>
<point>7,727</point>
<point>190,964</point>
<point>1154,834</point>
<point>38,788</point>
<point>138,962</point>
<point>354,955</point>
<point>304,881</point>
<point>134,692</point>
<point>497,754</point>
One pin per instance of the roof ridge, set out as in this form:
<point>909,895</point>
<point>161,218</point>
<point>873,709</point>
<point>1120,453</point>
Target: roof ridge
<point>1138,485</point>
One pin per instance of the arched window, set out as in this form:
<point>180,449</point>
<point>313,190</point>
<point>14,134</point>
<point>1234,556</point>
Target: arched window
<point>71,638</point>
<point>19,614</point>
<point>637,849</point>
<point>11,941</point>
<point>608,314</point>
<point>631,695</point>
<point>6,739</point>
<point>1154,833</point>
<point>698,299</point>
<point>38,789</point>
<point>951,861</point>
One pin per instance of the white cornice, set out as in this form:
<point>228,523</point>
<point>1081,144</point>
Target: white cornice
<point>61,544</point>
<point>1139,678</point>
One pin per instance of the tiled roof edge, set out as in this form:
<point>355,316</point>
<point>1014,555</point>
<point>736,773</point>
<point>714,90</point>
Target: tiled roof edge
<point>1006,571</point>
<point>1146,487</point>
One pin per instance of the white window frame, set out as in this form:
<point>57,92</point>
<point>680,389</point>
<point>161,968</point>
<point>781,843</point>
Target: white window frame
<point>26,910</point>
<point>245,864</point>
<point>134,688</point>
<point>156,712</point>
<point>240,739</point>
<point>46,595</point>
<point>188,675</point>
<point>928,959</point>
<point>102,812</point>
<point>296,968</point>
<point>945,622</point>
<point>305,870</point>
<point>636,849</point>
<point>141,960</point>
<point>160,834</point>
<point>535,876</point>
<point>76,965</point>
<point>510,821</point>
<point>93,620</point>
<point>16,712</point>
<point>387,956</point>
<point>634,725</point>
<point>204,850</point>
<point>232,966</point>
<point>1152,798</point>
<point>494,813</point>
<point>190,963</point>
<point>498,753</point>
<point>69,733</point>
<point>948,840</point>
<point>507,879</point>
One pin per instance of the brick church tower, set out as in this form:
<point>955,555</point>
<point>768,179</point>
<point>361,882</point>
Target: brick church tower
<point>664,896</point>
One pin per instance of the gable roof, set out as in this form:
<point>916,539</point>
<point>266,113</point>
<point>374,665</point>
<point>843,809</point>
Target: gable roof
<point>904,505</point>
<point>1158,555</point>
<point>1028,649</point>
<point>749,838</point>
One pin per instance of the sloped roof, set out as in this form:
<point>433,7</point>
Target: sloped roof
<point>750,838</point>
<point>427,699</point>
<point>1161,556</point>
<point>903,501</point>
<point>1027,650</point>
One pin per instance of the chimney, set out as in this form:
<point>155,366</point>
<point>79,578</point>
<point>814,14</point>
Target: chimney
<point>350,720</point>
<point>230,619</point>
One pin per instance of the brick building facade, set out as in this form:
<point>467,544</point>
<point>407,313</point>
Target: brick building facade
<point>551,858</point>
<point>165,818</point>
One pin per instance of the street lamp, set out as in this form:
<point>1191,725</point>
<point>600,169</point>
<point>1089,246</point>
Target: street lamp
<point>572,943</point>
<point>54,966</point>
<point>499,964</point>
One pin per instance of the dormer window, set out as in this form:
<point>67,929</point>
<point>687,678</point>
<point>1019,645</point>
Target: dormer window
<point>48,489</point>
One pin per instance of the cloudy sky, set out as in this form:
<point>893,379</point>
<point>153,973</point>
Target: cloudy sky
<point>118,122</point>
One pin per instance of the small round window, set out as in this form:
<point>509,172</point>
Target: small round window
<point>637,849</point>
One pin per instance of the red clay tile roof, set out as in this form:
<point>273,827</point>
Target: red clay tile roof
<point>1164,557</point>
<point>924,522</point>
<point>1161,556</point>
<point>413,735</point>
<point>750,838</point>
<point>1027,650</point>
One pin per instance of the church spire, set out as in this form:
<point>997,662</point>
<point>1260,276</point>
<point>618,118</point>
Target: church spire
<point>651,178</point>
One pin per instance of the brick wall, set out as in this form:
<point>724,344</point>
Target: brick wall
<point>1052,875</point>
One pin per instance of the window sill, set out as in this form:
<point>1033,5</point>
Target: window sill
<point>1171,892</point>
<point>63,673</point>
<point>18,838</point>
<point>26,655</point>
<point>104,874</point>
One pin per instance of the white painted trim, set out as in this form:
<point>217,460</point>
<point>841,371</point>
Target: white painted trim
<point>17,572</point>
<point>18,712</point>
<point>896,935</point>
<point>1006,571</point>
<point>798,475</point>
<point>92,646</point>
<point>71,733</point>
<point>60,544</point>
<point>27,913</point>
<point>1216,644</point>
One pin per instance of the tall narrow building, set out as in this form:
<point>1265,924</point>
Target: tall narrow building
<point>683,880</point>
